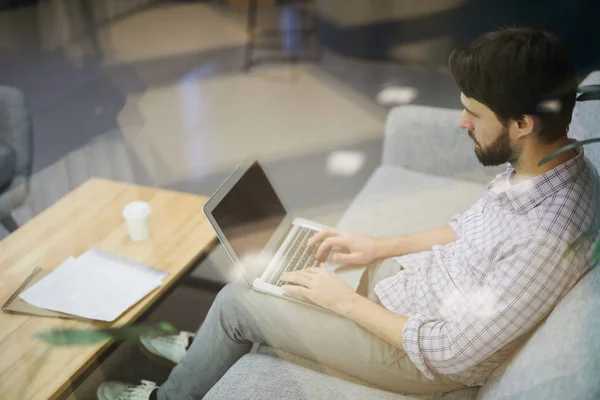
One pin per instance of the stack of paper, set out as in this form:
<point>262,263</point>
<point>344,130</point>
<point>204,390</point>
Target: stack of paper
<point>97,285</point>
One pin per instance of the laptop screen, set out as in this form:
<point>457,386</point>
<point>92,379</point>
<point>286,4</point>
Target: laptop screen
<point>250,212</point>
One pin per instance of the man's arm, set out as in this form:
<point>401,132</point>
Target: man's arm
<point>362,250</point>
<point>399,246</point>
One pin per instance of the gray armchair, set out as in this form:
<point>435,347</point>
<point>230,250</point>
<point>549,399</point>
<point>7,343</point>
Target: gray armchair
<point>15,153</point>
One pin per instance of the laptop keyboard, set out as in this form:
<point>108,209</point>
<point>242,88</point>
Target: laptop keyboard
<point>297,256</point>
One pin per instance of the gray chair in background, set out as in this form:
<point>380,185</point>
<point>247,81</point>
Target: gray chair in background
<point>16,156</point>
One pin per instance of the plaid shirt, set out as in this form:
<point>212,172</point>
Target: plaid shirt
<point>469,302</point>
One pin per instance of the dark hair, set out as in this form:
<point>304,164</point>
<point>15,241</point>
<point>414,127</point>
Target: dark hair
<point>520,71</point>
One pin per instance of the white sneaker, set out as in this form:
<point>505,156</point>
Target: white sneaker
<point>125,391</point>
<point>172,347</point>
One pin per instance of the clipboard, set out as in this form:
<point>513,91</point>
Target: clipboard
<point>15,305</point>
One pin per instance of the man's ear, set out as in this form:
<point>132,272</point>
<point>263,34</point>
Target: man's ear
<point>525,125</point>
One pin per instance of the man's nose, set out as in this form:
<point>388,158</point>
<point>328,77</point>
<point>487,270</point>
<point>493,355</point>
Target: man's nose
<point>465,121</point>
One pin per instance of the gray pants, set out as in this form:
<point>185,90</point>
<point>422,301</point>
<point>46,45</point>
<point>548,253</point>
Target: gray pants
<point>241,316</point>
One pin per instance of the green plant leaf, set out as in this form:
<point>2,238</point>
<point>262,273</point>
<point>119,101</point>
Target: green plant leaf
<point>567,148</point>
<point>588,89</point>
<point>590,232</point>
<point>596,254</point>
<point>588,96</point>
<point>83,337</point>
<point>590,92</point>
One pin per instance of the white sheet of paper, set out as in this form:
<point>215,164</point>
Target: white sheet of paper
<point>97,285</point>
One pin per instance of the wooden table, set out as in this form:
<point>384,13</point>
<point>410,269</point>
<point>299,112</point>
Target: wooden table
<point>90,216</point>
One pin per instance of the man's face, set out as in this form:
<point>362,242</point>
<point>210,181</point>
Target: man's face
<point>491,138</point>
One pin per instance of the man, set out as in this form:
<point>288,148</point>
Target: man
<point>457,300</point>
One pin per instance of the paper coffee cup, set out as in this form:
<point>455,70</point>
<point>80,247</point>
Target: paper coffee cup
<point>137,218</point>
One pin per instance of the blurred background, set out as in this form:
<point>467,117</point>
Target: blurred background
<point>174,94</point>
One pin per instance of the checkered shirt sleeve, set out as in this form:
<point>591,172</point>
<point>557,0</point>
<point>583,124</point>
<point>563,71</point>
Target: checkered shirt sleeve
<point>516,296</point>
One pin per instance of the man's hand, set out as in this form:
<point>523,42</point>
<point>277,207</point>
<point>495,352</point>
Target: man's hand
<point>359,249</point>
<point>322,287</point>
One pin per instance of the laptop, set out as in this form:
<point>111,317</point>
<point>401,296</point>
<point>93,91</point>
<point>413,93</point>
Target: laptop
<point>262,238</point>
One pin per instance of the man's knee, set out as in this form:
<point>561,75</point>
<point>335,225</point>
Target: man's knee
<point>244,302</point>
<point>231,295</point>
<point>235,310</point>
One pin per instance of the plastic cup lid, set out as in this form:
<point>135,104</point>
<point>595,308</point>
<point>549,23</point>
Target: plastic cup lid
<point>137,210</point>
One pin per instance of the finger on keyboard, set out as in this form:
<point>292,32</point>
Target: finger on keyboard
<point>320,236</point>
<point>314,239</point>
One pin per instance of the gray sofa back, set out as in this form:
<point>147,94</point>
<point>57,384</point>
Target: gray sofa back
<point>561,359</point>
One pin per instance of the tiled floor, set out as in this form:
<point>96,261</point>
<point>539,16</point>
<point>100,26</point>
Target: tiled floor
<point>159,98</point>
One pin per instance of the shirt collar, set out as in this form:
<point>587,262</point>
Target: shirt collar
<point>526,195</point>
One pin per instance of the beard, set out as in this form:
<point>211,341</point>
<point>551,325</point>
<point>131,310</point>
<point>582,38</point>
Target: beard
<point>498,152</point>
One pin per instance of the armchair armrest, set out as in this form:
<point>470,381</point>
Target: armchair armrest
<point>428,139</point>
<point>15,128</point>
<point>7,166</point>
<point>16,142</point>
